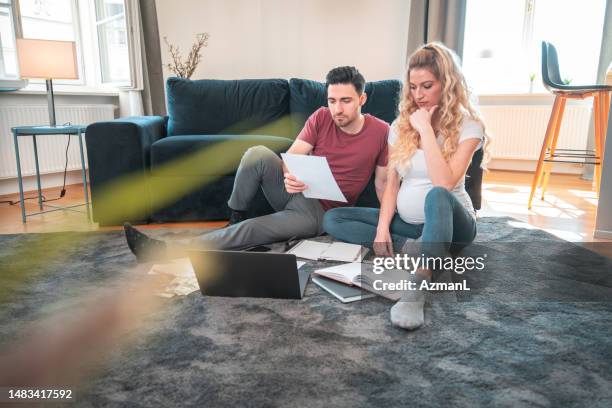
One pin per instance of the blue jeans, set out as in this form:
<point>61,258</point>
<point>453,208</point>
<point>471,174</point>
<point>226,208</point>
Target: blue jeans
<point>448,225</point>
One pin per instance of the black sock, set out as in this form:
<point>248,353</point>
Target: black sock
<point>237,216</point>
<point>145,248</point>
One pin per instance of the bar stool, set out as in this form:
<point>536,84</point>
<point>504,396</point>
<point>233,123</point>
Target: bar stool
<point>550,153</point>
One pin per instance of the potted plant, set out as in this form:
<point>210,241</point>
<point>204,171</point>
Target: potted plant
<point>532,78</point>
<point>184,69</point>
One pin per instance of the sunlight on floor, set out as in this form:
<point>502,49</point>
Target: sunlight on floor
<point>513,200</point>
<point>584,193</point>
<point>566,235</point>
<point>567,211</point>
<point>588,196</point>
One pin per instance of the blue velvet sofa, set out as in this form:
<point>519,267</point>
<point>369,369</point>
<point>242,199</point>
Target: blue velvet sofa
<point>210,124</point>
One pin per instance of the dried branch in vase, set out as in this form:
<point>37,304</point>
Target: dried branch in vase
<point>184,69</point>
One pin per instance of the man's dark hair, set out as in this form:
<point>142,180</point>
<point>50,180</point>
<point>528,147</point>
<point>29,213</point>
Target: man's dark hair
<point>345,75</point>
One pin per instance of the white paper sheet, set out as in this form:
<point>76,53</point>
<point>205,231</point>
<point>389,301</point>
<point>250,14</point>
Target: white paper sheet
<point>309,249</point>
<point>336,251</point>
<point>343,252</point>
<point>184,282</point>
<point>314,171</point>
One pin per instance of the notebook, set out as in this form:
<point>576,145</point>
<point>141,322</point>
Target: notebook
<point>348,273</point>
<point>325,251</point>
<point>361,275</point>
<point>342,292</point>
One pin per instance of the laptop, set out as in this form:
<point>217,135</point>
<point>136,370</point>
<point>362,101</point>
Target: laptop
<point>248,274</point>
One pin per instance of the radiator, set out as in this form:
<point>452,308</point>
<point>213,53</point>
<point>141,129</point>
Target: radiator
<point>518,131</point>
<point>51,149</point>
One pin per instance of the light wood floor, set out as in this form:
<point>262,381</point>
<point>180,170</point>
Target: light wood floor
<point>568,211</point>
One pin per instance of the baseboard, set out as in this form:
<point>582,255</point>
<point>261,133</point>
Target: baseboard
<point>601,234</point>
<point>10,186</point>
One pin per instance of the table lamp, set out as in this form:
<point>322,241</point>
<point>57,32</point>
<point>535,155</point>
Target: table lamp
<point>47,59</point>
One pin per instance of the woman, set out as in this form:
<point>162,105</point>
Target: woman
<point>431,144</point>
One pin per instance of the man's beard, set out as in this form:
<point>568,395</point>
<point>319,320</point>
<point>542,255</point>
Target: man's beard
<point>347,121</point>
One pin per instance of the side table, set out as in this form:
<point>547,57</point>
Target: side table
<point>34,132</point>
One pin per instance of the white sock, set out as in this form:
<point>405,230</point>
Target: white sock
<point>408,312</point>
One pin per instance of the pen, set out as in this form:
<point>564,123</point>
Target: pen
<point>291,243</point>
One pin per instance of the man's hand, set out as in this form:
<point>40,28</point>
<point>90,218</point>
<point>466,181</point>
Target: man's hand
<point>293,185</point>
<point>383,245</point>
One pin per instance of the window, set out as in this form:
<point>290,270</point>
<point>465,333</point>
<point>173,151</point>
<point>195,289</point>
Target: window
<point>48,19</point>
<point>502,44</point>
<point>112,40</point>
<point>8,55</point>
<point>99,28</point>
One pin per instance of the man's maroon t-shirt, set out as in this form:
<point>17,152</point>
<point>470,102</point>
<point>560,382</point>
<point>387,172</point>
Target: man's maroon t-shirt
<point>352,158</point>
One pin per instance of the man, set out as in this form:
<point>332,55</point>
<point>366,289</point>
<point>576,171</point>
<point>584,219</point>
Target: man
<point>354,144</point>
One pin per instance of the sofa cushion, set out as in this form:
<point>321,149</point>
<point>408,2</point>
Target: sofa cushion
<point>210,106</point>
<point>383,99</point>
<point>206,155</point>
<point>307,96</point>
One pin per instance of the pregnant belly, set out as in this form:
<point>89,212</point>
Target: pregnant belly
<point>411,202</point>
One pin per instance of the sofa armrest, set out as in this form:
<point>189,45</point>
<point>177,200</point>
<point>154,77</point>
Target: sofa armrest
<point>116,149</point>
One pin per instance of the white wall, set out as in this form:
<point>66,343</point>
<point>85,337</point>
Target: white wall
<point>289,38</point>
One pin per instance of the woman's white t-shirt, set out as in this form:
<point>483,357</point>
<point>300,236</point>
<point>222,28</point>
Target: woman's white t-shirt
<point>415,180</point>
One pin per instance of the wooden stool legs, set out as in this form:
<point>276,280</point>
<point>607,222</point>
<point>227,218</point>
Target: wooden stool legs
<point>552,123</point>
<point>601,111</point>
<point>553,144</point>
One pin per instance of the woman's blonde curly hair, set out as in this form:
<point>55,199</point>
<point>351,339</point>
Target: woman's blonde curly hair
<point>443,64</point>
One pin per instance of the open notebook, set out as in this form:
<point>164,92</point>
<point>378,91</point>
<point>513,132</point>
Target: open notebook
<point>325,251</point>
<point>348,273</point>
<point>361,275</point>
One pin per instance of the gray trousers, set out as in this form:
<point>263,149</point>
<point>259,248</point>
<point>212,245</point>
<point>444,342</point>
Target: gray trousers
<point>295,216</point>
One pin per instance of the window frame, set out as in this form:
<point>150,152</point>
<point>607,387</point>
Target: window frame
<point>527,44</point>
<point>7,81</point>
<point>88,52</point>
<point>95,24</point>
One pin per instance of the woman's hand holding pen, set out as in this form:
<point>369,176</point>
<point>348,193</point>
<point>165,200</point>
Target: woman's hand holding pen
<point>383,245</point>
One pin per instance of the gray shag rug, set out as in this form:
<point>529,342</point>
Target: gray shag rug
<point>536,331</point>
